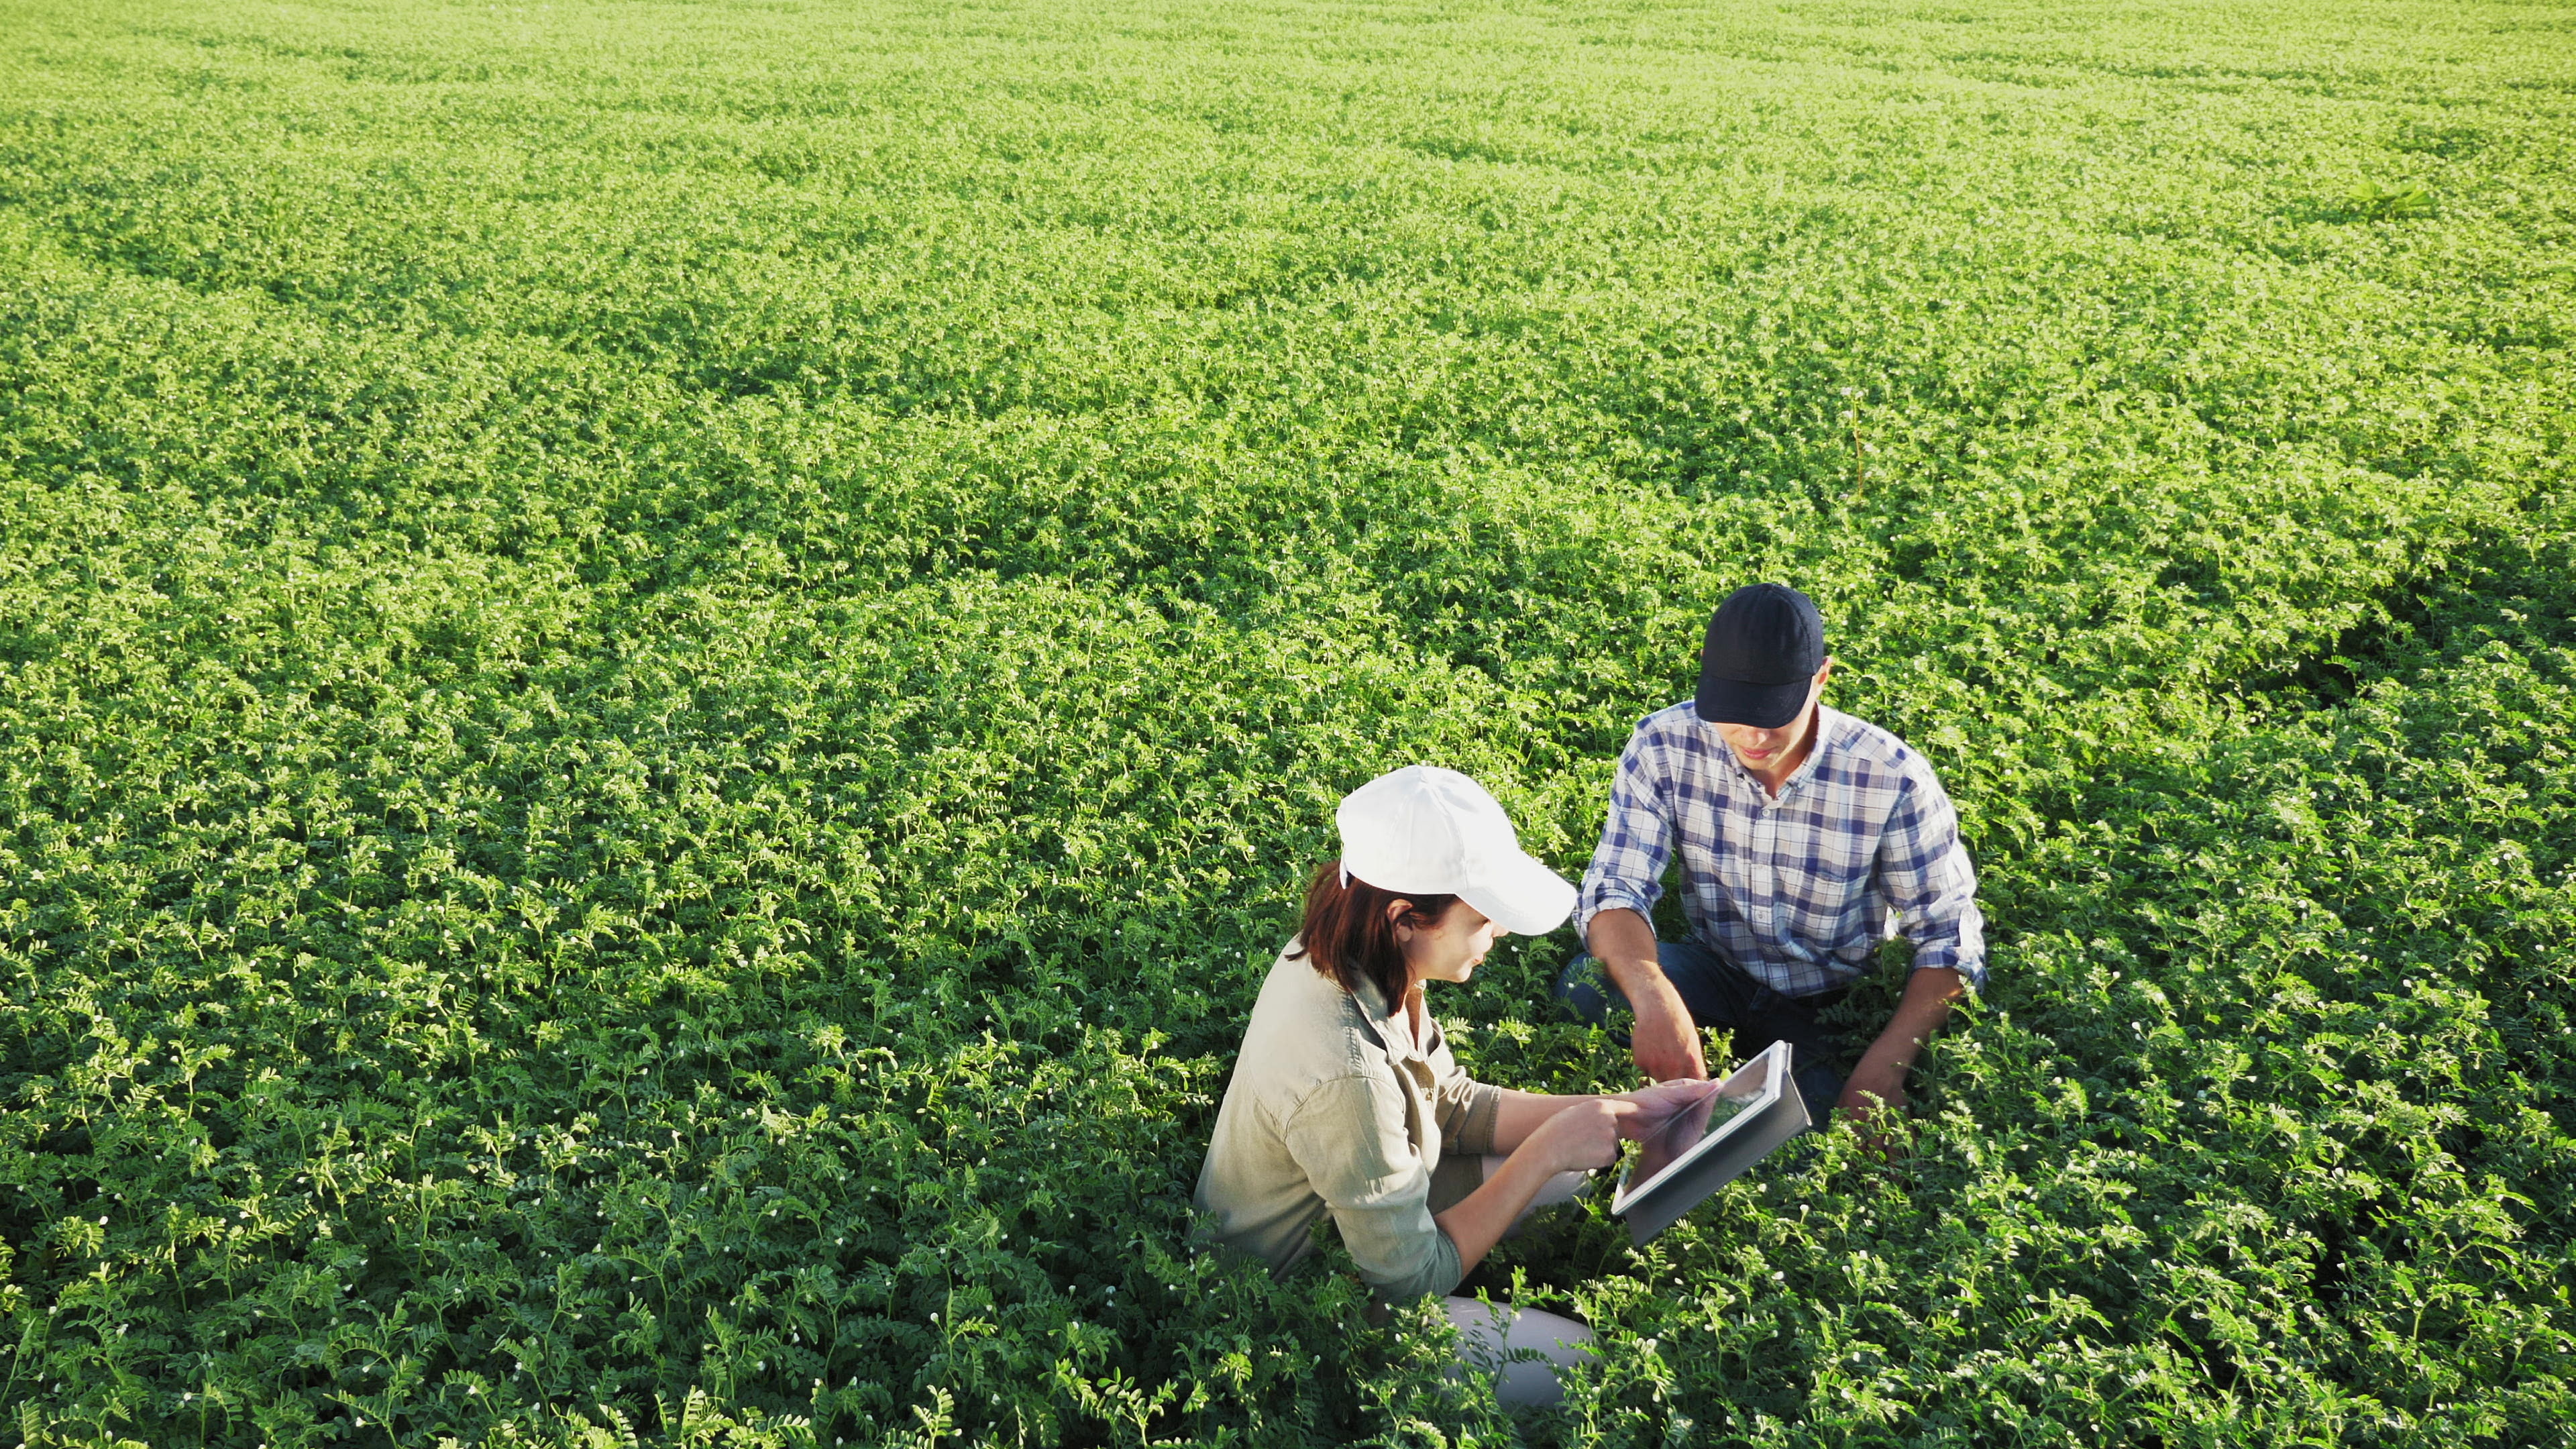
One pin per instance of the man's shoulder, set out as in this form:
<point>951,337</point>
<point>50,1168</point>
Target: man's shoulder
<point>1874,748</point>
<point>1674,724</point>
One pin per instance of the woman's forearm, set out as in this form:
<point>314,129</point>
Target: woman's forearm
<point>1521,1114</point>
<point>1479,1221</point>
<point>1578,1134</point>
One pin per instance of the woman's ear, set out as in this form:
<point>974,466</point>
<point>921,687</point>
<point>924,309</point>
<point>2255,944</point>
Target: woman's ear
<point>1396,912</point>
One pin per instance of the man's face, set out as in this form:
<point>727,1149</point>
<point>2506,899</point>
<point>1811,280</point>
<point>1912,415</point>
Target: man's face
<point>1762,751</point>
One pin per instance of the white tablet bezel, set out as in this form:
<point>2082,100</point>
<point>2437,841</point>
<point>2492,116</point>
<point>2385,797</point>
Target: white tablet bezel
<point>1769,1080</point>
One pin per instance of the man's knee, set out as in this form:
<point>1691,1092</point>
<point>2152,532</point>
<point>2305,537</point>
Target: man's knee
<point>1821,1087</point>
<point>1586,991</point>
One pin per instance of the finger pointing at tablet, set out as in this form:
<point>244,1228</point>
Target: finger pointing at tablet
<point>1649,1108</point>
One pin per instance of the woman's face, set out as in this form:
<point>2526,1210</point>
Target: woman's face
<point>1451,950</point>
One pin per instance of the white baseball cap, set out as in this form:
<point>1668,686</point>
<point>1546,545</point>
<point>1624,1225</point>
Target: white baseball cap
<point>1432,831</point>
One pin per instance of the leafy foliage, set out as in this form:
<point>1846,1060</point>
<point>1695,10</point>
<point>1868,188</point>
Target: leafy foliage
<point>2375,200</point>
<point>665,671</point>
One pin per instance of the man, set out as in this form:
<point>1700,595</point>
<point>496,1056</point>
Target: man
<point>1807,837</point>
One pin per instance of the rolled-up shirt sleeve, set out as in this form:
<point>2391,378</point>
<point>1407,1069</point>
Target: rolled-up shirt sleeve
<point>1627,868</point>
<point>1930,886</point>
<point>1466,1110</point>
<point>1348,1135</point>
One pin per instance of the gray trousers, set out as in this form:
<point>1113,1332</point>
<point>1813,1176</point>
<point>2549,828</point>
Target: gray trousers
<point>1460,1175</point>
<point>1489,1334</point>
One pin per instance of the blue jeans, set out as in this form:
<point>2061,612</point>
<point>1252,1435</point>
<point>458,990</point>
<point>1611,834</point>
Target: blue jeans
<point>1721,995</point>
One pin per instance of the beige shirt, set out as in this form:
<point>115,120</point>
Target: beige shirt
<point>1334,1107</point>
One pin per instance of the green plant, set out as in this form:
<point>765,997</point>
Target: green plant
<point>665,672</point>
<point>2383,201</point>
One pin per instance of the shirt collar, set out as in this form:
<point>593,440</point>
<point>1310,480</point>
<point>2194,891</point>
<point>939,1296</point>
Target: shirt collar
<point>1833,729</point>
<point>1388,1023</point>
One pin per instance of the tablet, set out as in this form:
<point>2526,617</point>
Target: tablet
<point>1709,1145</point>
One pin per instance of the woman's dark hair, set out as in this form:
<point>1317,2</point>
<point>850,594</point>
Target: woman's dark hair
<point>1349,938</point>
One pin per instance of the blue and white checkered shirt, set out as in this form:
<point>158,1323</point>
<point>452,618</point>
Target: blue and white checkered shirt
<point>1860,846</point>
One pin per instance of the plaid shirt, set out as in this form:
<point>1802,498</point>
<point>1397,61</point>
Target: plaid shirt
<point>1861,845</point>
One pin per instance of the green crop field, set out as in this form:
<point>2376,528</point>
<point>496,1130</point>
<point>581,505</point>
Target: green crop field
<point>666,670</point>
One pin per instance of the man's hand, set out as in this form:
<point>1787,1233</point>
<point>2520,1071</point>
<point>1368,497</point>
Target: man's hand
<point>1665,1040</point>
<point>1877,1087</point>
<point>1875,1095</point>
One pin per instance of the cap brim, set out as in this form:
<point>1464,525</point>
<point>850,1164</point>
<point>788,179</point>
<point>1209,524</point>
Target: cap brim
<point>1522,896</point>
<point>1760,706</point>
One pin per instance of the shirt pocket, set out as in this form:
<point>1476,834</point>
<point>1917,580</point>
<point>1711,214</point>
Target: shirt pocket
<point>1838,877</point>
<point>1834,901</point>
<point>1421,1108</point>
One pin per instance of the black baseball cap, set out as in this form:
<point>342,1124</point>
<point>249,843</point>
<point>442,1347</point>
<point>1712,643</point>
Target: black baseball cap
<point>1765,644</point>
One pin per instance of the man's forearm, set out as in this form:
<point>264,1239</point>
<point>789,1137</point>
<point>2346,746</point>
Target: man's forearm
<point>1919,1013</point>
<point>1624,943</point>
<point>1666,1041</point>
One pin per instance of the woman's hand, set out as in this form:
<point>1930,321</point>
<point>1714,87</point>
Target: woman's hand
<point>1649,1108</point>
<point>1578,1134</point>
<point>1584,1134</point>
<point>1632,1114</point>
<point>1580,1137</point>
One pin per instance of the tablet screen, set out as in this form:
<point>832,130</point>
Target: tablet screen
<point>1696,1128</point>
<point>1682,1134</point>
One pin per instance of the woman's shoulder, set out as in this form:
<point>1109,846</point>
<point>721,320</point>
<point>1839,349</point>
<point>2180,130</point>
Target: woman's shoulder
<point>1298,1000</point>
<point>1306,1030</point>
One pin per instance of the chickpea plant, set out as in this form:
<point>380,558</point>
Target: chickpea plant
<point>666,672</point>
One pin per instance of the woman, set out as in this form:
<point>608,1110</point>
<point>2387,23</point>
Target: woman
<point>1346,1100</point>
